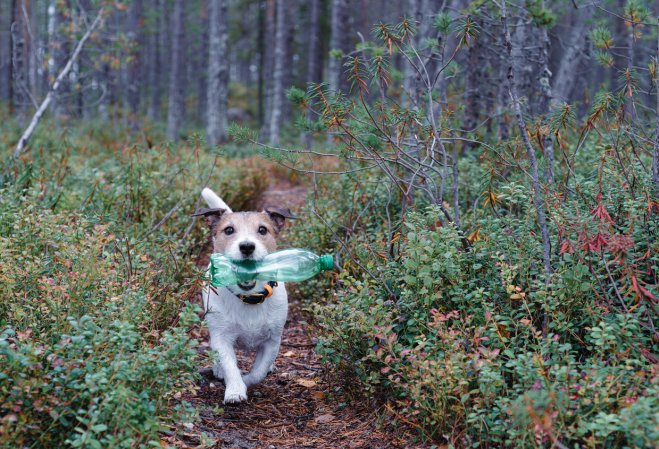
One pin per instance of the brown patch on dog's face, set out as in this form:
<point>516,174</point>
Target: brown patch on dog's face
<point>238,228</point>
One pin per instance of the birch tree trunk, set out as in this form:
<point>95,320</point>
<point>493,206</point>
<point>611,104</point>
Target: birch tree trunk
<point>278,75</point>
<point>218,73</point>
<point>175,107</point>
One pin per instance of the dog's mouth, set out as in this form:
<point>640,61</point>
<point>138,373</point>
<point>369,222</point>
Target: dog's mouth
<point>247,285</point>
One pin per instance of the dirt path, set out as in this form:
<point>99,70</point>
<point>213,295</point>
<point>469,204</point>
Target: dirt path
<point>294,407</point>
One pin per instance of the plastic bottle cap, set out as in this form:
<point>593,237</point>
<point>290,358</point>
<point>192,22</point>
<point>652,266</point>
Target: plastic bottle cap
<point>326,262</point>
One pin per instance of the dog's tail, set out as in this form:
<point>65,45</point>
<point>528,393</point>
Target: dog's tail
<point>214,201</point>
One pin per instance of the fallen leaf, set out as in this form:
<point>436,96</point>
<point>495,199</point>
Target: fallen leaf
<point>289,354</point>
<point>324,419</point>
<point>306,382</point>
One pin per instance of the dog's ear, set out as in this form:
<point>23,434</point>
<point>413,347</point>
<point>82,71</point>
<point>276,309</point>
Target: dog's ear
<point>278,215</point>
<point>212,215</point>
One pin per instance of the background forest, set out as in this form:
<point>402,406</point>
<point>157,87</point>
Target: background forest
<point>486,173</point>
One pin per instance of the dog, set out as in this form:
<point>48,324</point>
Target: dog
<point>251,315</point>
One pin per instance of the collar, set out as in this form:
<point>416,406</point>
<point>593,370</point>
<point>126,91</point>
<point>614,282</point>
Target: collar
<point>258,298</point>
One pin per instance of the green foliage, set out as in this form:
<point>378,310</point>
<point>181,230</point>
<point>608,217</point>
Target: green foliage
<point>541,15</point>
<point>97,269</point>
<point>443,23</point>
<point>336,53</point>
<point>461,351</point>
<point>459,332</point>
<point>601,37</point>
<point>296,96</point>
<point>635,11</point>
<point>99,386</point>
<point>604,59</point>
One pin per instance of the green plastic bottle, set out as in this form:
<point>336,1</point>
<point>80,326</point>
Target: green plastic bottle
<point>288,265</point>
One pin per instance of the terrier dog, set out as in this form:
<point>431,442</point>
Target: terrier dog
<point>251,315</point>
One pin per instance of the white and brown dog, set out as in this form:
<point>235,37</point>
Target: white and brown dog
<point>248,316</point>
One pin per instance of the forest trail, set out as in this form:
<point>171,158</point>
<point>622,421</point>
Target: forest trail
<point>294,407</point>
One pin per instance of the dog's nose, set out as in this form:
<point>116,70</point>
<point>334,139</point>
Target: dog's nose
<point>247,248</point>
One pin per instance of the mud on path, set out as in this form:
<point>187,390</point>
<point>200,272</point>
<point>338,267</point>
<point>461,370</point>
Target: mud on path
<point>294,407</point>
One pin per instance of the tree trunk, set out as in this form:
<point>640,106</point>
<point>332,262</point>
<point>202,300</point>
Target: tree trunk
<point>268,62</point>
<point>260,45</point>
<point>135,34</point>
<point>545,101</point>
<point>155,69</point>
<point>411,79</point>
<point>175,107</point>
<point>523,42</point>
<point>201,65</point>
<point>537,192</point>
<point>290,74</point>
<point>336,43</point>
<point>473,89</point>
<point>5,53</point>
<point>575,47</point>
<point>59,46</point>
<point>218,73</point>
<point>313,58</point>
<point>335,65</point>
<point>503,130</point>
<point>19,38</point>
<point>278,75</point>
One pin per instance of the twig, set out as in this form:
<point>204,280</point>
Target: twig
<point>49,97</point>
<point>164,219</point>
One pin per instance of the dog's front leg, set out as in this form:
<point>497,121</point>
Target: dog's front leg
<point>236,390</point>
<point>265,358</point>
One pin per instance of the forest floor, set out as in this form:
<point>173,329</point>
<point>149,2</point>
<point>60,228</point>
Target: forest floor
<point>294,407</point>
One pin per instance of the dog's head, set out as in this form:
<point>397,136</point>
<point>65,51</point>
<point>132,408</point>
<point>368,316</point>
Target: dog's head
<point>243,235</point>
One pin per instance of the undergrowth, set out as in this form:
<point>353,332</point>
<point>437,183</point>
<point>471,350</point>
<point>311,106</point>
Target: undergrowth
<point>98,282</point>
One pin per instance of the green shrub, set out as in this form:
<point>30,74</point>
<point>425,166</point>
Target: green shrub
<point>97,271</point>
<point>460,351</point>
<point>99,386</point>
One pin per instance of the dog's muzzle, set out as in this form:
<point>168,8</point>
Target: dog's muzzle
<point>259,297</point>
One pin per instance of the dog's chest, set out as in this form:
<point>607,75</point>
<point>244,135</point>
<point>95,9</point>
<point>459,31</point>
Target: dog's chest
<point>252,337</point>
<point>249,326</point>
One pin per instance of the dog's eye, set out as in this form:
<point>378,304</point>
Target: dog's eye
<point>263,230</point>
<point>228,230</point>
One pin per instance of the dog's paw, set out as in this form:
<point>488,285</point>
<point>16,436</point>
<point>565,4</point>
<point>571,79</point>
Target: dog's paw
<point>218,372</point>
<point>235,394</point>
